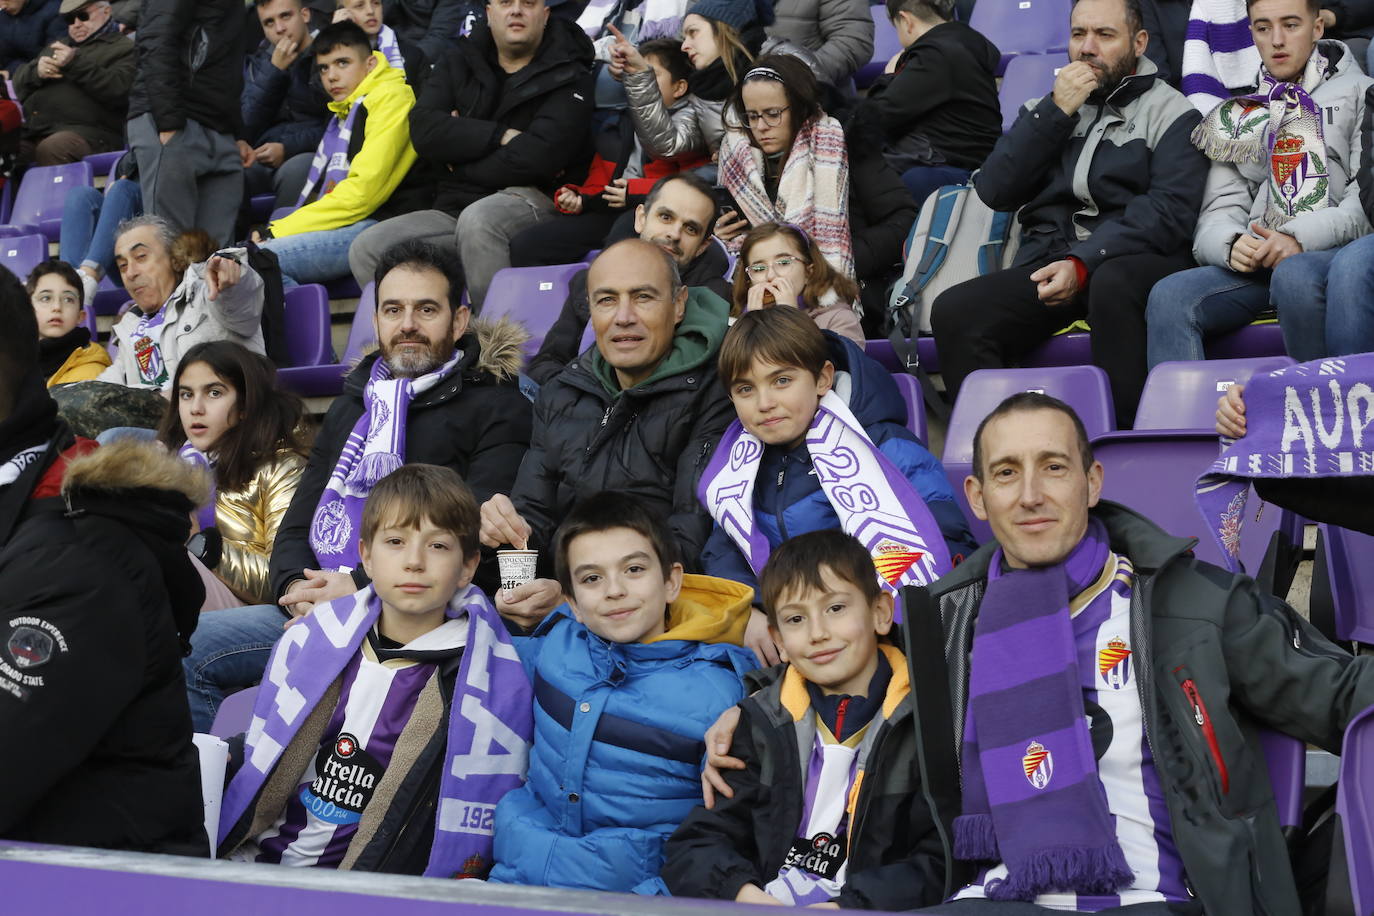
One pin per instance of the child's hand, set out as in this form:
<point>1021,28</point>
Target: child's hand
<point>614,195</point>
<point>760,297</point>
<point>718,738</point>
<point>318,586</point>
<point>568,200</point>
<point>752,893</point>
<point>757,637</point>
<point>502,524</point>
<point>1231,413</point>
<point>625,56</point>
<point>341,15</point>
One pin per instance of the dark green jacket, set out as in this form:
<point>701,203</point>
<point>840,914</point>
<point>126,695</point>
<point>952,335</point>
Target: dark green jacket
<point>1253,661</point>
<point>91,98</point>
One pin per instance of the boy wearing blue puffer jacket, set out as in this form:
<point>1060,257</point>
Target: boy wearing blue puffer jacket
<point>789,380</point>
<point>627,677</point>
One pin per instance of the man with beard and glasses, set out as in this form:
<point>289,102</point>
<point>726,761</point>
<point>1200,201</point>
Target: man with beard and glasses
<point>678,216</point>
<point>442,390</point>
<point>1285,200</point>
<point>1107,184</point>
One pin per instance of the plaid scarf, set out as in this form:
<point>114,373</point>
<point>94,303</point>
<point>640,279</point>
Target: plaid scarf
<point>490,722</point>
<point>813,191</point>
<point>1032,797</point>
<point>1281,122</point>
<point>1308,420</point>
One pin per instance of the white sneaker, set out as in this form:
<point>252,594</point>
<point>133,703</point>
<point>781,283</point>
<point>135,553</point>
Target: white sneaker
<point>89,285</point>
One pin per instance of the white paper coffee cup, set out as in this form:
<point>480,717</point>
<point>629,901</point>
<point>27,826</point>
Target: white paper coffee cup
<point>517,566</point>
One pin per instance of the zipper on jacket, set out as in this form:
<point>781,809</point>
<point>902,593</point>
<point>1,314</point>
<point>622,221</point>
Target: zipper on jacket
<point>1204,722</point>
<point>782,507</point>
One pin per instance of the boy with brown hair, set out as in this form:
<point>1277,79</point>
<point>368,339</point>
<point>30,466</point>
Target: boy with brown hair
<point>828,807</point>
<point>374,717</point>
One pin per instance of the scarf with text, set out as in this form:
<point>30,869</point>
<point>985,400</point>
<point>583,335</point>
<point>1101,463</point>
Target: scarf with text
<point>375,448</point>
<point>873,500</point>
<point>1031,794</point>
<point>1279,122</point>
<point>813,190</point>
<point>489,731</point>
<point>1308,420</point>
<point>331,162</point>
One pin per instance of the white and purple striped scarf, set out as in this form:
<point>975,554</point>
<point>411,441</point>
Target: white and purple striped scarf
<point>1219,55</point>
<point>1308,420</point>
<point>490,721</point>
<point>873,500</point>
<point>375,448</point>
<point>390,47</point>
<point>205,515</point>
<point>331,163</point>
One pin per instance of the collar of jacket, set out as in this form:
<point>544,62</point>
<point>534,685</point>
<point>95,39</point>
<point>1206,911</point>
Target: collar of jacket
<point>1133,86</point>
<point>696,341</point>
<point>1131,535</point>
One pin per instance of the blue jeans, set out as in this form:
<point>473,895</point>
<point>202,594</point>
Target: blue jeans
<point>228,653</point>
<point>1326,301</point>
<point>1188,306</point>
<point>923,179</point>
<point>89,221</point>
<point>316,257</point>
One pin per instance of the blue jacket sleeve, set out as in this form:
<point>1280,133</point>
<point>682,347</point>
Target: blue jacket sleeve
<point>264,88</point>
<point>927,475</point>
<point>722,558</point>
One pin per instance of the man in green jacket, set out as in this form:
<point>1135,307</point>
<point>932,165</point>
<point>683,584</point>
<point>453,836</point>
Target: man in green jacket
<point>76,93</point>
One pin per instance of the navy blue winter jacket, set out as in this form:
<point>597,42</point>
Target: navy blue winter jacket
<point>25,34</point>
<point>284,106</point>
<point>788,499</point>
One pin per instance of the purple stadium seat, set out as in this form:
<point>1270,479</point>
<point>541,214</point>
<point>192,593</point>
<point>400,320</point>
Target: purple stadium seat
<point>260,206</point>
<point>103,163</point>
<point>307,326</point>
<point>1350,569</point>
<point>1287,760</point>
<point>327,380</point>
<point>532,296</point>
<point>1071,349</point>
<point>1248,342</point>
<point>109,296</point>
<point>6,200</point>
<point>344,288</point>
<point>1355,805</point>
<point>235,713</point>
<point>1023,26</point>
<point>1183,395</point>
<point>1156,473</point>
<point>885,45</point>
<point>90,324</point>
<point>1084,388</point>
<point>20,253</point>
<point>38,205</point>
<point>910,388</point>
<point>1027,77</point>
<point>882,351</point>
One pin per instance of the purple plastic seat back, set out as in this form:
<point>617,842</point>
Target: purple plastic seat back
<point>1156,472</point>
<point>6,200</point>
<point>21,253</point>
<point>42,193</point>
<point>1023,26</point>
<point>1071,349</point>
<point>1183,395</point>
<point>1350,569</point>
<point>1355,805</point>
<point>235,712</point>
<point>881,350</point>
<point>89,324</point>
<point>327,380</point>
<point>910,388</point>
<point>533,296</point>
<point>1247,342</point>
<point>103,163</point>
<point>1084,388</point>
<point>1027,77</point>
<point>1287,761</point>
<point>885,45</point>
<point>307,326</point>
<point>260,206</point>
<point>344,288</point>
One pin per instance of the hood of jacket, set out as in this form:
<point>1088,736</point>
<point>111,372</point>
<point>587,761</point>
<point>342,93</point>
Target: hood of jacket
<point>708,610</point>
<point>868,389</point>
<point>696,341</point>
<point>383,78</point>
<point>151,492</point>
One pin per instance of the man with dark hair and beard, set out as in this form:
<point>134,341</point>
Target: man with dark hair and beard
<point>1107,185</point>
<point>97,599</point>
<point>443,389</point>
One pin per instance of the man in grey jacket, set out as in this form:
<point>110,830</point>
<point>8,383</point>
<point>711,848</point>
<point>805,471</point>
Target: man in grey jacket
<point>840,32</point>
<point>1284,180</point>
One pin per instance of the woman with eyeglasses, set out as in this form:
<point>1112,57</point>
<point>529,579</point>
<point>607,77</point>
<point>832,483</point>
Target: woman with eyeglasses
<point>780,265</point>
<point>784,160</point>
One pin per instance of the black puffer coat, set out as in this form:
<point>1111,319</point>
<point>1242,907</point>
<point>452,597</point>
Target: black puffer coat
<point>549,101</point>
<point>190,64</point>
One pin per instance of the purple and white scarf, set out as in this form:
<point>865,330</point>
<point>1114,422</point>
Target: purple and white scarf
<point>1032,798</point>
<point>205,516</point>
<point>390,47</point>
<point>873,500</point>
<point>375,448</point>
<point>331,162</point>
<point>1308,420</point>
<point>490,722</point>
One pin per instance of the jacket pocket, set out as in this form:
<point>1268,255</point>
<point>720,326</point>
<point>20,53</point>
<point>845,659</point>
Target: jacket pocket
<point>1203,719</point>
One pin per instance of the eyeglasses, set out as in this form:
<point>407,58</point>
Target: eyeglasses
<point>771,117</point>
<point>80,15</point>
<point>759,268</point>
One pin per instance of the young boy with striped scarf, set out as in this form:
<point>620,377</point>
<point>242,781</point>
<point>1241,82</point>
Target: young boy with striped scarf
<point>389,722</point>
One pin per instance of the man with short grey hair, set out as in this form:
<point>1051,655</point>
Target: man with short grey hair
<point>76,93</point>
<point>177,305</point>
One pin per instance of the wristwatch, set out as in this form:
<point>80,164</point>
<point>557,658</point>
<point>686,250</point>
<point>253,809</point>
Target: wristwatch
<point>207,546</point>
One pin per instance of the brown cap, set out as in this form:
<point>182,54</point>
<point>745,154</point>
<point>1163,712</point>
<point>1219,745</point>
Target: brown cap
<point>71,6</point>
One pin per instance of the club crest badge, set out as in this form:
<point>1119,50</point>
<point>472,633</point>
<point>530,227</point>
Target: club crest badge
<point>892,560</point>
<point>1114,663</point>
<point>1038,764</point>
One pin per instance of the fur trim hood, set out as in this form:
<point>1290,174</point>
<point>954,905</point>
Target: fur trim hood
<point>502,345</point>
<point>132,464</point>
